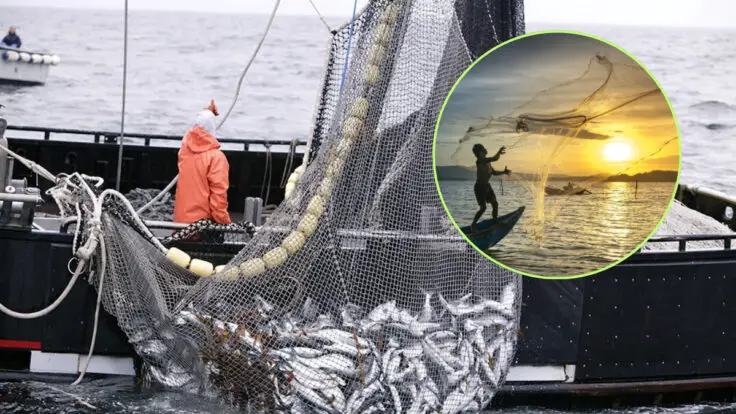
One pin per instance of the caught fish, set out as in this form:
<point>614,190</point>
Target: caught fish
<point>310,395</point>
<point>426,314</point>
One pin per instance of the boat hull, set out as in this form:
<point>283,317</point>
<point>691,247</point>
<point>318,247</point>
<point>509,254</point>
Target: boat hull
<point>576,335</point>
<point>22,73</point>
<point>490,232</point>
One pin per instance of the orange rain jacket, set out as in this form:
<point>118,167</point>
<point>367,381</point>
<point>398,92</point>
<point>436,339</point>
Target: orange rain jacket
<point>201,191</point>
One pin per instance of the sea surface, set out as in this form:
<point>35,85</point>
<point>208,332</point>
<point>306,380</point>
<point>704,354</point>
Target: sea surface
<point>178,61</point>
<point>570,235</point>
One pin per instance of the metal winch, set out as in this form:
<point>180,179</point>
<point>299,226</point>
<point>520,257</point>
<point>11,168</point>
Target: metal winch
<point>17,201</point>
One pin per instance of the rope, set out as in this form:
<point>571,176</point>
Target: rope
<point>289,163</point>
<point>253,57</point>
<point>103,264</point>
<point>122,114</point>
<point>51,307</point>
<point>314,6</point>
<point>350,39</point>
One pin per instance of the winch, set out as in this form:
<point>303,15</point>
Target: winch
<point>18,201</point>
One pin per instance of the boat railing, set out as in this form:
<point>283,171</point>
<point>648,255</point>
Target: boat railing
<point>108,137</point>
<point>682,240</point>
<point>710,202</point>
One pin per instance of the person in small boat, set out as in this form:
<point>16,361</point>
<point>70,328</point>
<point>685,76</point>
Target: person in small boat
<point>483,191</point>
<point>569,186</point>
<point>11,39</point>
<point>201,191</point>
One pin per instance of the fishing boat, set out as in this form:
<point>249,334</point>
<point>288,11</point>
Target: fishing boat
<point>490,232</point>
<point>582,342</point>
<point>150,160</point>
<point>567,190</point>
<point>602,338</point>
<point>25,67</point>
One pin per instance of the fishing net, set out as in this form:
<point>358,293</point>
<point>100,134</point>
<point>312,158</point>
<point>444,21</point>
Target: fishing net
<point>570,96</point>
<point>358,294</point>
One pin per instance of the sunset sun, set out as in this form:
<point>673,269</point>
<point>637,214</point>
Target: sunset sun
<point>617,152</point>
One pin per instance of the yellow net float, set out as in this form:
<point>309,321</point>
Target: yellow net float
<point>252,268</point>
<point>359,109</point>
<point>376,55</point>
<point>390,15</point>
<point>179,257</point>
<point>308,224</point>
<point>275,257</point>
<point>293,242</point>
<point>351,128</point>
<point>316,206</point>
<point>201,268</point>
<point>372,74</point>
<point>382,34</point>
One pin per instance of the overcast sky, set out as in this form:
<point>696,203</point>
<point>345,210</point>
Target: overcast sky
<point>707,13</point>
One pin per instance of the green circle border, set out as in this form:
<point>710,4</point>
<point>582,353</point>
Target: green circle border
<point>538,33</point>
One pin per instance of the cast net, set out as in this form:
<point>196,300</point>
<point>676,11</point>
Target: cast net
<point>357,295</point>
<point>563,107</point>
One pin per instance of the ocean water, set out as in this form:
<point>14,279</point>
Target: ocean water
<point>577,234</point>
<point>178,61</point>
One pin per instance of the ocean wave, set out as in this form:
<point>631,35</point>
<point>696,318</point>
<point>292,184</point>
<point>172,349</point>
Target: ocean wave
<point>713,105</point>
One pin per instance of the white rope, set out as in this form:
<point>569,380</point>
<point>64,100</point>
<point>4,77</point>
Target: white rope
<point>43,312</point>
<point>103,265</point>
<point>30,165</point>
<point>76,397</point>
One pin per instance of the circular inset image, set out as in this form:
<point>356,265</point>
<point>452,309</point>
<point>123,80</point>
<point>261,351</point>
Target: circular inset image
<point>557,155</point>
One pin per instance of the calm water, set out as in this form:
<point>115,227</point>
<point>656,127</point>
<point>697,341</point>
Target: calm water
<point>581,233</point>
<point>178,61</point>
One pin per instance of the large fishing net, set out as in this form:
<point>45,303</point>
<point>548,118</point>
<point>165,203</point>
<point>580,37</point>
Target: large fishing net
<point>357,295</point>
<point>564,103</point>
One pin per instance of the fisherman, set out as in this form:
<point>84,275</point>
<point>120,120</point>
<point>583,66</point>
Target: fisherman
<point>11,39</point>
<point>201,191</point>
<point>483,190</point>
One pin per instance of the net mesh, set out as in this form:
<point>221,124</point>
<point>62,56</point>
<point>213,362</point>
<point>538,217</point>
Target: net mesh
<point>357,295</point>
<point>604,100</point>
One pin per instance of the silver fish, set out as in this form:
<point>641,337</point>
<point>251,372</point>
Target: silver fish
<point>508,296</point>
<point>342,348</point>
<point>335,363</point>
<point>426,314</point>
<point>311,377</point>
<point>309,395</point>
<point>396,398</point>
<point>335,398</point>
<point>382,312</point>
<point>263,305</point>
<point>337,335</point>
<point>413,351</point>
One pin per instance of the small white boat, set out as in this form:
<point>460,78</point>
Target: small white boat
<point>18,66</point>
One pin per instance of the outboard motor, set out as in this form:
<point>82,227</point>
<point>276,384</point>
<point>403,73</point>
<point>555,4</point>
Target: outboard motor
<point>17,201</point>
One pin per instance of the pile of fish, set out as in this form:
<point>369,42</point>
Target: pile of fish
<point>449,359</point>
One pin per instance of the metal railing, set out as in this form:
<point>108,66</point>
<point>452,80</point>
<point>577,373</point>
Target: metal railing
<point>109,137</point>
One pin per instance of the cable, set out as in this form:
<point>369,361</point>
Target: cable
<point>245,70</point>
<point>122,115</point>
<point>54,305</point>
<point>350,39</point>
<point>314,6</point>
